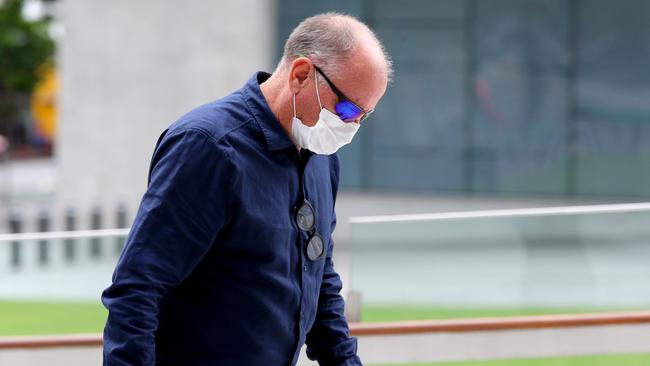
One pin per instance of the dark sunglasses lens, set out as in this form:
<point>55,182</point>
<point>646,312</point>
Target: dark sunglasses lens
<point>348,111</point>
<point>315,247</point>
<point>305,217</point>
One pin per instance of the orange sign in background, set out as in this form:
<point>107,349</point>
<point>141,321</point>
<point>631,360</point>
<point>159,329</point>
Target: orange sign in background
<point>43,104</point>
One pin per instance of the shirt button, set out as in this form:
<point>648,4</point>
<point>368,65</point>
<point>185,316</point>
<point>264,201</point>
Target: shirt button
<point>302,314</point>
<point>305,268</point>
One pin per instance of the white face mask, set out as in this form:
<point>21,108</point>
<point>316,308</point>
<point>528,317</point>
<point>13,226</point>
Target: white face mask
<point>328,135</point>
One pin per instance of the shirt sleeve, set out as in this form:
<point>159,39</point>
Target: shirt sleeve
<point>180,214</point>
<point>329,341</point>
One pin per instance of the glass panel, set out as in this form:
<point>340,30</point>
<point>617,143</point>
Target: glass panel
<point>57,269</point>
<point>458,266</point>
<point>613,93</point>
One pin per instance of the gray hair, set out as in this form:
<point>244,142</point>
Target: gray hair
<point>328,40</point>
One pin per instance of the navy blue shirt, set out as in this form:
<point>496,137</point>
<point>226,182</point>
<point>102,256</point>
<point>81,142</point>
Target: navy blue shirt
<point>214,270</point>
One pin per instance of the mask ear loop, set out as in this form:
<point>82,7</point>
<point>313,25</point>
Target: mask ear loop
<point>294,106</point>
<point>317,93</point>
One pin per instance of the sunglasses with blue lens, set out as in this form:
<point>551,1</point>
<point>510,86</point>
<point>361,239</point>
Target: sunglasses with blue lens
<point>346,109</point>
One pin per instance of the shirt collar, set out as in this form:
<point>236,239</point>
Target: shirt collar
<point>276,136</point>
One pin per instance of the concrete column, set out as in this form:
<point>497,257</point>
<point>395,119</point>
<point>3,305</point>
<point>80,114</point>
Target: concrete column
<point>129,69</point>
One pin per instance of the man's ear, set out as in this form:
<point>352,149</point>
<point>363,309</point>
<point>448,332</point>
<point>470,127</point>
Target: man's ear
<point>299,73</point>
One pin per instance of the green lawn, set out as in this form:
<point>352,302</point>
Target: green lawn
<point>28,318</point>
<point>383,313</point>
<point>606,360</point>
<point>40,318</point>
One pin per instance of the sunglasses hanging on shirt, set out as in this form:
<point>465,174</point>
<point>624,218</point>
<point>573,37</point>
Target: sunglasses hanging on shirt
<point>306,221</point>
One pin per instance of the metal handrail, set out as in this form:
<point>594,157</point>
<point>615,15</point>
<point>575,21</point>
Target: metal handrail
<point>388,328</point>
<point>511,212</point>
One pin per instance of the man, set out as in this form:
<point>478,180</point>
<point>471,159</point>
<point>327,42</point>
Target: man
<point>229,259</point>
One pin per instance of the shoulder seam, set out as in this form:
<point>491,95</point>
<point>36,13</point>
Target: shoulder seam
<point>209,135</point>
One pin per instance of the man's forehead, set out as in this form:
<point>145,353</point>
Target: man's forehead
<point>362,82</point>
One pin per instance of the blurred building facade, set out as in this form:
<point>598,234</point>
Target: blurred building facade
<point>505,96</point>
<point>491,98</point>
<point>131,69</point>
